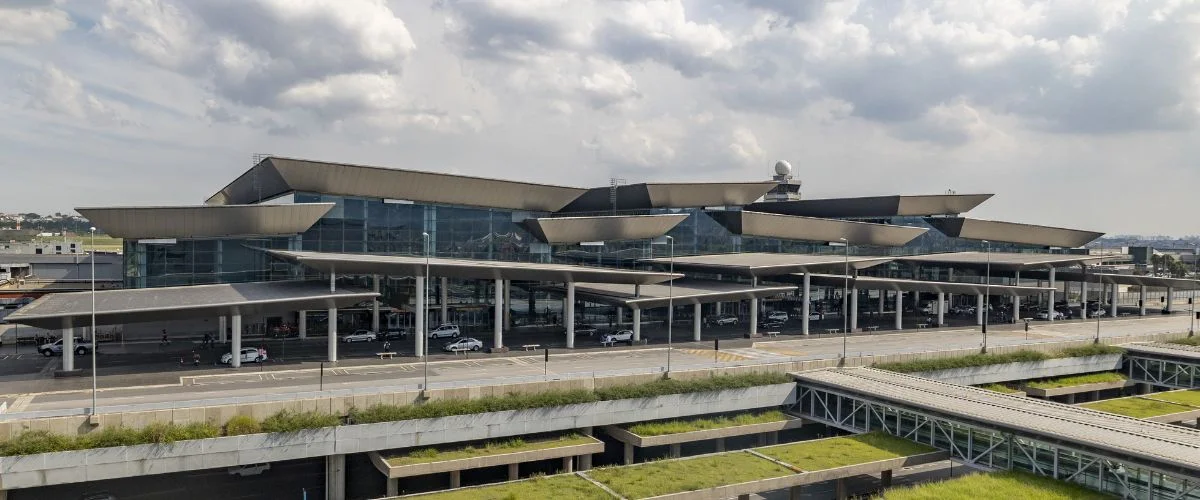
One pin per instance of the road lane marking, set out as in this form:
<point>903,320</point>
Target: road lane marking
<point>21,403</point>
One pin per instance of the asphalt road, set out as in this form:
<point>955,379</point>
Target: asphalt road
<point>193,386</point>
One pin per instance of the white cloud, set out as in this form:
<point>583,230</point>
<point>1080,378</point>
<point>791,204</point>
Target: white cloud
<point>28,22</point>
<point>56,92</point>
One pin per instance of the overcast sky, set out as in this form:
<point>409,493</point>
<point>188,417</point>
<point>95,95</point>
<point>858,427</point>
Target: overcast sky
<point>1075,113</point>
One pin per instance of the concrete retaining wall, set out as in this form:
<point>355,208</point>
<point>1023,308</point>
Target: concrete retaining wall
<point>1076,389</point>
<point>90,465</point>
<point>397,471</point>
<point>625,436</point>
<point>1009,372</point>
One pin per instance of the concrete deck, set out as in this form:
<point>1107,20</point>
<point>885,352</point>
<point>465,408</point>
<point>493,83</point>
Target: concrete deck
<point>627,437</point>
<point>1076,389</point>
<point>399,471</point>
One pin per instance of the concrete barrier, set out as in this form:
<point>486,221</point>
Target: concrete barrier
<point>1027,370</point>
<point>1076,389</point>
<point>625,436</point>
<point>397,471</point>
<point>47,469</point>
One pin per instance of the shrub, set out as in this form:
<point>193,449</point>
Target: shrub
<point>169,433</point>
<point>929,365</point>
<point>1089,350</point>
<point>31,442</point>
<point>293,421</point>
<point>242,424</point>
<point>1187,341</point>
<point>109,437</point>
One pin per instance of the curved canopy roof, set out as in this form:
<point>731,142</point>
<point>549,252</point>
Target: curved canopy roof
<point>1012,232</point>
<point>1001,261</point>
<point>902,285</point>
<point>205,221</point>
<point>602,228</point>
<point>669,195</point>
<point>275,176</point>
<point>116,307</point>
<point>765,264</point>
<point>404,265</point>
<point>875,206</point>
<point>815,229</point>
<point>684,292</point>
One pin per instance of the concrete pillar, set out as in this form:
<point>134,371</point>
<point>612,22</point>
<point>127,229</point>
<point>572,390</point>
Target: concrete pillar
<point>979,308</point>
<point>1095,396</point>
<point>1145,388</point>
<point>375,304</point>
<point>1083,298</point>
<point>941,308</point>
<point>508,304</point>
<point>899,310</point>
<point>885,478</point>
<point>444,299</point>
<point>753,310</point>
<point>1113,302</point>
<point>236,348</point>
<point>806,298</point>
<point>514,472</point>
<point>840,489</point>
<point>335,477</point>
<point>585,461</point>
<point>628,454</point>
<point>853,309</point>
<point>420,336</point>
<point>1071,398</point>
<point>68,353</point>
<point>223,330</point>
<point>1050,297</point>
<point>1142,300</point>
<point>795,492</point>
<point>570,315</point>
<point>1170,297</point>
<point>719,443</point>
<point>1016,312</point>
<point>882,298</point>
<point>393,486</point>
<point>302,325</point>
<point>568,464</point>
<point>637,325</point>
<point>498,319</point>
<point>620,316</point>
<point>720,309</point>
<point>675,450</point>
<point>696,322</point>
<point>332,341</point>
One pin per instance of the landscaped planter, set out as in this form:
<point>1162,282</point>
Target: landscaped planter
<point>397,471</point>
<point>1075,389</point>
<point>107,463</point>
<point>1008,372</point>
<point>625,436</point>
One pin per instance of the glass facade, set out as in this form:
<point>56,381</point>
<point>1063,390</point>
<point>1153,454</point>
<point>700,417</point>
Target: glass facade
<point>151,264</point>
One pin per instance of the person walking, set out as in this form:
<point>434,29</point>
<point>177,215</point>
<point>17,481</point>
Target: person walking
<point>165,340</point>
<point>195,358</point>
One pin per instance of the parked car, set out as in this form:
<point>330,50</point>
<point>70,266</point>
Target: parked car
<point>770,323</point>
<point>393,334</point>
<point>1096,313</point>
<point>55,348</point>
<point>724,320</point>
<point>816,316</point>
<point>778,316</point>
<point>588,330</point>
<point>360,336</point>
<point>451,331</point>
<point>618,336</point>
<point>249,355</point>
<point>1044,314</point>
<point>463,344</point>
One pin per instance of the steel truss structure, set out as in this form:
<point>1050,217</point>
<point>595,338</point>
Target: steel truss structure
<point>1168,373</point>
<point>974,444</point>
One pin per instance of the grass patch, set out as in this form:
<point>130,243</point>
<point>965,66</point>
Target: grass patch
<point>242,424</point>
<point>690,474</point>
<point>538,488</point>
<point>702,424</point>
<point>1190,398</point>
<point>516,445</point>
<point>998,388</point>
<point>1193,341</point>
<point>998,486</point>
<point>32,442</point>
<point>838,452</point>
<point>662,387</point>
<point>929,365</point>
<point>1073,380</point>
<point>1137,407</point>
<point>293,421</point>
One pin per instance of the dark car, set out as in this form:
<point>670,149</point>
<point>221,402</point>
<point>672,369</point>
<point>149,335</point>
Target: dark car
<point>393,334</point>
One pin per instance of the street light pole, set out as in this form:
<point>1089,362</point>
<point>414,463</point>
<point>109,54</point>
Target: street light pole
<point>845,296</point>
<point>670,302</point>
<point>1192,300</point>
<point>94,343</point>
<point>987,295</point>
<point>425,320</point>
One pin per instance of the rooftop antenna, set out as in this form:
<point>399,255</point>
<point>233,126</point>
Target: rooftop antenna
<point>255,160</point>
<point>613,182</point>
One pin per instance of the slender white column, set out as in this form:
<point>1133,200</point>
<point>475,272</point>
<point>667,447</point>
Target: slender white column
<point>899,310</point>
<point>223,329</point>
<point>1083,309</point>
<point>332,340</point>
<point>753,310</point>
<point>68,348</point>
<point>882,296</point>
<point>570,315</point>
<point>941,308</point>
<point>979,306</point>
<point>420,334</point>
<point>498,331</point>
<point>1050,297</point>
<point>236,347</point>
<point>443,298</point>
<point>508,304</point>
<point>853,309</point>
<point>1113,302</point>
<point>620,316</point>
<point>375,304</point>
<point>696,322</point>
<point>1141,301</point>
<point>1016,312</point>
<point>806,299</point>
<point>302,324</point>
<point>1170,297</point>
<point>637,325</point>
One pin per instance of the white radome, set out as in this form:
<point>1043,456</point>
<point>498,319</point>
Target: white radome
<point>782,167</point>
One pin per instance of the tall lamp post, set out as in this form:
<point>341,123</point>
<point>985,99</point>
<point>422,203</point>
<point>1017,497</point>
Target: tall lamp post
<point>670,301</point>
<point>987,294</point>
<point>1192,300</point>
<point>845,296</point>
<point>425,320</point>
<point>92,230</point>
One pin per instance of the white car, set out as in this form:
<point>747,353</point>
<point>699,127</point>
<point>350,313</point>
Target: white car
<point>463,344</point>
<point>1097,313</point>
<point>249,355</point>
<point>618,336</point>
<point>816,316</point>
<point>55,348</point>
<point>451,331</point>
<point>778,316</point>
<point>726,320</point>
<point>1043,314</point>
<point>360,336</point>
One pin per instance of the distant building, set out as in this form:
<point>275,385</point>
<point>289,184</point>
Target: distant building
<point>42,248</point>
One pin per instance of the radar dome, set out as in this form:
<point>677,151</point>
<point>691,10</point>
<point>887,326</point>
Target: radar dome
<point>783,167</point>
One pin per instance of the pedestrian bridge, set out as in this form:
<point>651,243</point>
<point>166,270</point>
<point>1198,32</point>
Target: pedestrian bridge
<point>1163,364</point>
<point>1127,457</point>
